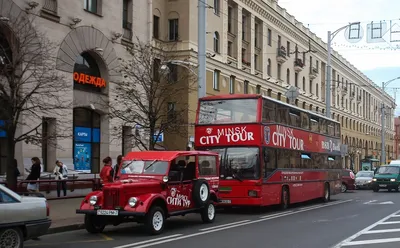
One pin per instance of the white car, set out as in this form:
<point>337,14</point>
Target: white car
<point>21,218</point>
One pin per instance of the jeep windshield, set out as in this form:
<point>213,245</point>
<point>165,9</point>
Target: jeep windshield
<point>143,167</point>
<point>387,170</point>
<point>240,163</point>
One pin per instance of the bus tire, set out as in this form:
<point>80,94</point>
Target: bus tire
<point>327,193</point>
<point>285,198</point>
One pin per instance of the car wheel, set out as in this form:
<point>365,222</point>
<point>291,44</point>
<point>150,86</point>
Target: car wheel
<point>94,224</point>
<point>327,193</point>
<point>208,213</point>
<point>375,188</point>
<point>11,238</point>
<point>155,220</point>
<point>201,193</point>
<point>285,198</point>
<point>344,188</point>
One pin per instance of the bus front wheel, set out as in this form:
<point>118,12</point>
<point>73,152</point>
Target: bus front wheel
<point>285,198</point>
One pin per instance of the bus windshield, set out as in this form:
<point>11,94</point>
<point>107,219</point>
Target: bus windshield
<point>228,111</point>
<point>239,162</point>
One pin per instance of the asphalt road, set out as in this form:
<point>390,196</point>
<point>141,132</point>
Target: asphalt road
<point>354,219</point>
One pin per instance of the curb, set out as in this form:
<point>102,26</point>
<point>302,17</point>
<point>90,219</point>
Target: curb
<point>66,228</point>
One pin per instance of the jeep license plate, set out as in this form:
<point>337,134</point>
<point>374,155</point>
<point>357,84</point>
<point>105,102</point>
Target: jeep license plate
<point>382,185</point>
<point>107,212</point>
<point>226,201</point>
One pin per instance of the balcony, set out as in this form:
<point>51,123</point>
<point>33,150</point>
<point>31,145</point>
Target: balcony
<point>313,73</point>
<point>298,65</point>
<point>281,55</point>
<point>344,90</point>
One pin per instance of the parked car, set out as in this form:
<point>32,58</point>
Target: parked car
<point>348,180</point>
<point>21,218</point>
<point>152,186</point>
<point>364,179</point>
<point>387,177</point>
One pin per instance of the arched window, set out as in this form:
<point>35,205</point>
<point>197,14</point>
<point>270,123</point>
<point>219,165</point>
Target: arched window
<point>216,42</point>
<point>5,50</point>
<point>86,140</point>
<point>85,64</point>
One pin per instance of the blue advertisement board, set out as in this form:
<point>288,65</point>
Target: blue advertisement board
<point>83,134</point>
<point>3,133</point>
<point>82,157</point>
<point>96,135</point>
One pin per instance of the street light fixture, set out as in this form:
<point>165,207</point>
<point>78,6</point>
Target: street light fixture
<point>184,64</point>
<point>383,118</point>
<point>331,36</point>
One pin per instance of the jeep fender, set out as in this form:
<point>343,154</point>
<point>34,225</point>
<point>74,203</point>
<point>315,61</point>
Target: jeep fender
<point>146,202</point>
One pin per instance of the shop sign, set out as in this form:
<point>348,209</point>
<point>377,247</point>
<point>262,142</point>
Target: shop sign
<point>82,78</point>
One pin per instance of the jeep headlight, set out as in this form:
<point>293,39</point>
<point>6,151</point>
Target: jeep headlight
<point>132,201</point>
<point>93,200</point>
<point>374,179</point>
<point>393,180</point>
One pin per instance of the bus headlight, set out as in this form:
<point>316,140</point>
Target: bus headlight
<point>132,201</point>
<point>93,200</point>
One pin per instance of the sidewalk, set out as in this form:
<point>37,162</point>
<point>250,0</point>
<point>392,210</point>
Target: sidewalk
<point>63,216</point>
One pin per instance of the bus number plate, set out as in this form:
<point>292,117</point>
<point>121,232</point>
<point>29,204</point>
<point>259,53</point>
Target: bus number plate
<point>226,201</point>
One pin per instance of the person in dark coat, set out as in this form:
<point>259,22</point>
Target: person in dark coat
<point>34,175</point>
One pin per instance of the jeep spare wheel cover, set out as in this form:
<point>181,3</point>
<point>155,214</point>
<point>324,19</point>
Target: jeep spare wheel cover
<point>204,192</point>
<point>158,221</point>
<point>211,211</point>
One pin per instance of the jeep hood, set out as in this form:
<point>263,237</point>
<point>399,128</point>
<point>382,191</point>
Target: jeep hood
<point>384,176</point>
<point>136,186</point>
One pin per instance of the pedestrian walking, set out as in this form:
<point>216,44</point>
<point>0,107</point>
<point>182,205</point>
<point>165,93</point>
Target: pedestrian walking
<point>34,175</point>
<point>116,167</point>
<point>107,173</point>
<point>61,172</point>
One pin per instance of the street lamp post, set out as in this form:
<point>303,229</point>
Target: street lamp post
<point>201,53</point>
<point>383,119</point>
<point>331,36</point>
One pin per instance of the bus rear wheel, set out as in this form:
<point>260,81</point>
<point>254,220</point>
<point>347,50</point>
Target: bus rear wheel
<point>285,198</point>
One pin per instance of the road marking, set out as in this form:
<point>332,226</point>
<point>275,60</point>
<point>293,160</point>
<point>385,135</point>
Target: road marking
<point>356,235</point>
<point>382,231</point>
<point>229,224</point>
<point>397,215</point>
<point>270,215</point>
<point>147,243</point>
<point>374,202</point>
<point>105,237</point>
<point>372,241</point>
<point>390,223</point>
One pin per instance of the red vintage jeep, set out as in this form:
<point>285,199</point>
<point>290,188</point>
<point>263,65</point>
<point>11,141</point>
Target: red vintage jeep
<point>154,185</point>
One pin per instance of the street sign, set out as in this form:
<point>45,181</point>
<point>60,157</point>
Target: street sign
<point>158,137</point>
<point>292,93</point>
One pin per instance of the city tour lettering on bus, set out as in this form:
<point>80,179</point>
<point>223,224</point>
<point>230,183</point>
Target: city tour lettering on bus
<point>330,146</point>
<point>284,137</point>
<point>229,135</point>
<point>82,78</point>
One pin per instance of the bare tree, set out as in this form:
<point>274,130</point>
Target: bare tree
<point>152,94</point>
<point>30,87</point>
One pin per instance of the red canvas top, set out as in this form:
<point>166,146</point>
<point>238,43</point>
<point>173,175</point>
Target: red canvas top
<point>164,155</point>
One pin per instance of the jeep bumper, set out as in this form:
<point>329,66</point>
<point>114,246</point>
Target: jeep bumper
<point>121,213</point>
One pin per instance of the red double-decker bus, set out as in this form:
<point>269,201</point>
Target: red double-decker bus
<point>271,152</point>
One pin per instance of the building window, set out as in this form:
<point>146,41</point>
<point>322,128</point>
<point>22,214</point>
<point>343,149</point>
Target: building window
<point>304,83</point>
<point>87,74</point>
<point>216,7</point>
<point>232,85</point>
<point>304,59</point>
<point>256,61</point>
<point>258,89</point>
<point>279,70</point>
<point>173,73</point>
<point>87,136</point>
<point>296,79</point>
<point>230,19</point>
<point>156,27</point>
<point>288,76</point>
<point>244,19</point>
<point>230,48</point>
<point>171,108</point>
<point>288,48</point>
<point>269,37</point>
<point>216,42</point>
<point>279,41</point>
<point>269,67</point>
<point>311,88</point>
<point>256,34</point>
<point>126,19</point>
<point>173,29</point>
<point>216,80</point>
<point>316,90</point>
<point>246,87</point>
<point>156,70</point>
<point>91,6</point>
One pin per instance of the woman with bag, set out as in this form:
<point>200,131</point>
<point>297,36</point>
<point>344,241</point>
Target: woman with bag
<point>34,175</point>
<point>61,172</point>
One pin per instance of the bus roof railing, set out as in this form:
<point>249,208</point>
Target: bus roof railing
<point>253,96</point>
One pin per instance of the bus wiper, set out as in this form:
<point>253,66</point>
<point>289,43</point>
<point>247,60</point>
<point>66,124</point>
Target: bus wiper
<point>124,166</point>
<point>151,164</point>
<point>235,176</point>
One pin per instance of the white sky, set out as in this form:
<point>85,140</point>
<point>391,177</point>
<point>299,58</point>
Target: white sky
<point>324,15</point>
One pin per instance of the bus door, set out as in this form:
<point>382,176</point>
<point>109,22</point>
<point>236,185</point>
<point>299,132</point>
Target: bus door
<point>270,192</point>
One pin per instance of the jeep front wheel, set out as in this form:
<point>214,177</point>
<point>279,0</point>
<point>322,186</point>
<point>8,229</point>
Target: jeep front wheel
<point>208,213</point>
<point>155,220</point>
<point>94,224</point>
<point>201,193</point>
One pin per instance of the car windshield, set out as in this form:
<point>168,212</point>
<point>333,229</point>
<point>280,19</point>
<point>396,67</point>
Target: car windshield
<point>239,162</point>
<point>365,174</point>
<point>388,170</point>
<point>144,167</point>
<point>228,111</point>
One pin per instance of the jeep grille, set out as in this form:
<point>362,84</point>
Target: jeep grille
<point>111,198</point>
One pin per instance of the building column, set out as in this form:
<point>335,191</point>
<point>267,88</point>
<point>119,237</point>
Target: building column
<point>239,37</point>
<point>252,43</point>
<point>224,36</point>
<point>264,55</point>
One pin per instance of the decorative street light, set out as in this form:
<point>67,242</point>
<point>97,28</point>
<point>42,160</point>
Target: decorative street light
<point>331,36</point>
